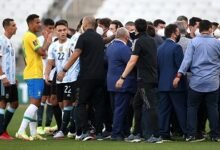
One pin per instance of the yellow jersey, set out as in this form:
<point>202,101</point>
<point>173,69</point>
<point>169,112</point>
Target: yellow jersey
<point>33,61</point>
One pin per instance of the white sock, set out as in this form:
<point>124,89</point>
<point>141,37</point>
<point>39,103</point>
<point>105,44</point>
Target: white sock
<point>28,116</point>
<point>33,126</point>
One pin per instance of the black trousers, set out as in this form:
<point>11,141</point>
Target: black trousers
<point>90,94</point>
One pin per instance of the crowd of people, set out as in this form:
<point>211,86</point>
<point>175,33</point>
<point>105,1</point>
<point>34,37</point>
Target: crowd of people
<point>142,81</point>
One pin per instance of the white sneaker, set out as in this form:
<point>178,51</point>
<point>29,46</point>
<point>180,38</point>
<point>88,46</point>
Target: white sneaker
<point>78,137</point>
<point>58,135</point>
<point>71,135</point>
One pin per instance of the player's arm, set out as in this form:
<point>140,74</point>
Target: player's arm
<point>48,40</point>
<point>75,55</point>
<point>35,44</point>
<point>129,67</point>
<point>3,76</point>
<point>50,64</point>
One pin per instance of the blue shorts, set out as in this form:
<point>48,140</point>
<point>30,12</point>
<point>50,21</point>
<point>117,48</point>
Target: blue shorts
<point>35,88</point>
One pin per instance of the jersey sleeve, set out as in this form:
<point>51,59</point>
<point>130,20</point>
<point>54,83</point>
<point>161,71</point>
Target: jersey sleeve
<point>1,47</point>
<point>50,52</point>
<point>33,42</point>
<point>137,48</point>
<point>79,43</point>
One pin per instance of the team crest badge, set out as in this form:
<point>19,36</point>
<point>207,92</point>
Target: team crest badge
<point>61,48</point>
<point>35,43</point>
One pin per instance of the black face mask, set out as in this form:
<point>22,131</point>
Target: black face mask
<point>132,35</point>
<point>178,38</point>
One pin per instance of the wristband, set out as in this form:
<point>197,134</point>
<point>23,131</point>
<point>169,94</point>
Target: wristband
<point>123,78</point>
<point>178,76</point>
<point>2,76</point>
<point>65,70</point>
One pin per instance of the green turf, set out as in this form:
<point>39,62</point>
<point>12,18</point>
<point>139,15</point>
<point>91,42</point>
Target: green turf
<point>70,144</point>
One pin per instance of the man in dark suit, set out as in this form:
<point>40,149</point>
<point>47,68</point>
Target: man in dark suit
<point>118,54</point>
<point>169,58</point>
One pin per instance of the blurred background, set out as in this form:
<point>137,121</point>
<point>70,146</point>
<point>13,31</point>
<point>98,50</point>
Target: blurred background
<point>123,10</point>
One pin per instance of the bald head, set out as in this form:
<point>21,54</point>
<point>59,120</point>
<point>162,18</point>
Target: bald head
<point>121,33</point>
<point>89,22</point>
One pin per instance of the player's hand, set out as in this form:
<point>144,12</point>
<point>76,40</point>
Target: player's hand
<point>119,84</point>
<point>16,82</point>
<point>47,79</point>
<point>60,75</point>
<point>5,82</point>
<point>49,38</point>
<point>176,82</point>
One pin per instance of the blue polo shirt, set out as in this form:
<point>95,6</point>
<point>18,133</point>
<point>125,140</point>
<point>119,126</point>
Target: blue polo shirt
<point>202,57</point>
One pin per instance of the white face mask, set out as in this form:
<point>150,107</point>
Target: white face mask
<point>197,32</point>
<point>160,32</point>
<point>188,30</point>
<point>217,33</point>
<point>109,33</point>
<point>99,30</point>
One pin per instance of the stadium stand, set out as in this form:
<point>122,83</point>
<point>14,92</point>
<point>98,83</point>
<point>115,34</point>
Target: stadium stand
<point>18,10</point>
<point>151,10</point>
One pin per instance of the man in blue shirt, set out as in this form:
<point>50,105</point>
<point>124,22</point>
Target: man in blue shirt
<point>118,55</point>
<point>202,57</point>
<point>169,58</point>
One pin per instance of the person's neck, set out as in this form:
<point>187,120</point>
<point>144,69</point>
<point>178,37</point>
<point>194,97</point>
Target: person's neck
<point>205,32</point>
<point>8,35</point>
<point>62,41</point>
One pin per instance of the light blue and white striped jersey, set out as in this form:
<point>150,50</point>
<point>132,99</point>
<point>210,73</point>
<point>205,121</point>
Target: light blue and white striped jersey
<point>60,53</point>
<point>7,52</point>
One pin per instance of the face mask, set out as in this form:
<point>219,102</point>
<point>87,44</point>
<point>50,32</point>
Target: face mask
<point>160,32</point>
<point>197,32</point>
<point>133,35</point>
<point>217,33</point>
<point>109,33</point>
<point>99,30</point>
<point>178,38</point>
<point>188,30</point>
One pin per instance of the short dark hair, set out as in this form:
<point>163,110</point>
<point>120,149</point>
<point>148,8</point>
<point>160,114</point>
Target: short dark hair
<point>6,22</point>
<point>60,22</point>
<point>205,25</point>
<point>129,23</point>
<point>171,28</point>
<point>48,22</point>
<point>215,24</point>
<point>64,21</point>
<point>31,18</point>
<point>79,25</point>
<point>158,21</point>
<point>151,30</point>
<point>182,18</point>
<point>193,20</point>
<point>117,23</point>
<point>105,22</point>
<point>140,25</point>
<point>150,23</point>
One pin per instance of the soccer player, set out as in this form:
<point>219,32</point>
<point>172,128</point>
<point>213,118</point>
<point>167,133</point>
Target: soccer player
<point>33,74</point>
<point>58,54</point>
<point>8,88</point>
<point>48,26</point>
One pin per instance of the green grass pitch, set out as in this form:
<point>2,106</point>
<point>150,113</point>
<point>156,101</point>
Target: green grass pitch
<point>70,144</point>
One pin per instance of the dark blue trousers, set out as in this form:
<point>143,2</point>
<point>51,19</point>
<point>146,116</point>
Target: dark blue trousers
<point>170,101</point>
<point>194,100</point>
<point>120,111</point>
